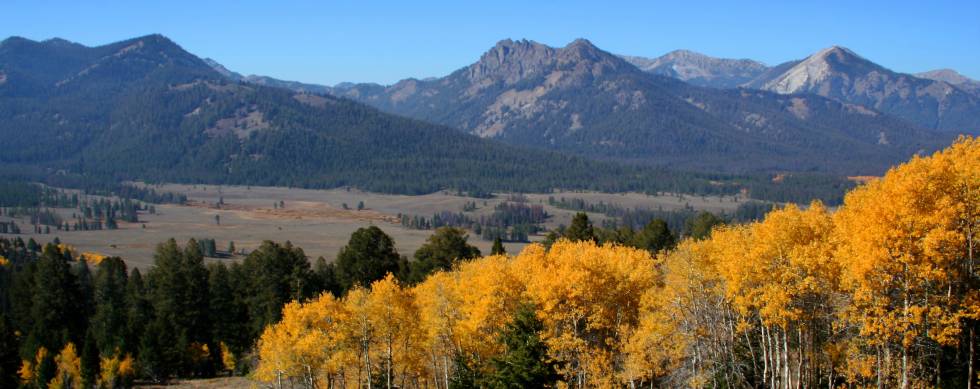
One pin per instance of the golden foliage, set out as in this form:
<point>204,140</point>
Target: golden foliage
<point>227,358</point>
<point>116,370</point>
<point>93,258</point>
<point>69,373</point>
<point>806,297</point>
<point>28,369</point>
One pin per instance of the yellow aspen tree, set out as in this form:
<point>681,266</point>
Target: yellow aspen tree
<point>588,297</point>
<point>692,299</point>
<point>28,369</point>
<point>360,337</point>
<point>779,273</point>
<point>395,319</point>
<point>489,293</point>
<point>904,247</point>
<point>440,312</point>
<point>69,365</point>
<point>116,371</point>
<point>303,345</point>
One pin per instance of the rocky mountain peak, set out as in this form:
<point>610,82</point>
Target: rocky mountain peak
<point>949,76</point>
<point>511,61</point>
<point>700,69</point>
<point>827,64</point>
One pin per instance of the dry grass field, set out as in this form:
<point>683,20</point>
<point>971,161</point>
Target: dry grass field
<point>316,220</point>
<point>210,383</point>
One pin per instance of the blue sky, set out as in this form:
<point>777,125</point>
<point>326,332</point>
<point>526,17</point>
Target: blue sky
<point>332,41</point>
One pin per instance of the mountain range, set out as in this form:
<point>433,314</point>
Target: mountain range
<point>146,109</point>
<point>942,100</point>
<point>583,100</point>
<point>524,116</point>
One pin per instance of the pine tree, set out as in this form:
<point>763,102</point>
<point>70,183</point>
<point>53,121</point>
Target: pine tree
<point>90,361</point>
<point>108,324</point>
<point>229,318</point>
<point>498,247</point>
<point>369,256</point>
<point>580,229</point>
<point>138,311</point>
<point>524,363</point>
<point>701,225</point>
<point>326,277</point>
<point>9,359</point>
<point>46,369</point>
<point>441,251</point>
<point>51,303</point>
<point>654,237</point>
<point>273,274</point>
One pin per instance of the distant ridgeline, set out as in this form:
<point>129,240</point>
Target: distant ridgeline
<point>145,109</point>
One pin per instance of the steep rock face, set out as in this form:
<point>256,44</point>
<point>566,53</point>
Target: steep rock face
<point>840,74</point>
<point>583,100</point>
<point>700,69</point>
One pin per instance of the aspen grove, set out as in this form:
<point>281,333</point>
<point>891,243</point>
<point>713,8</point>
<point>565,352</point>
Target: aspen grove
<point>881,292</point>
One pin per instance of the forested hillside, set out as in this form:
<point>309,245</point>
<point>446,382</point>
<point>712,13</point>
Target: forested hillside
<point>147,109</point>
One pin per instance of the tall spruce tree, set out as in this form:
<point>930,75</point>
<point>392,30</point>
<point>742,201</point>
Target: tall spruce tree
<point>108,324</point>
<point>369,256</point>
<point>524,363</point>
<point>654,237</point>
<point>274,275</point>
<point>441,251</point>
<point>498,247</point>
<point>52,303</point>
<point>9,358</point>
<point>139,312</point>
<point>90,361</point>
<point>580,229</point>
<point>701,225</point>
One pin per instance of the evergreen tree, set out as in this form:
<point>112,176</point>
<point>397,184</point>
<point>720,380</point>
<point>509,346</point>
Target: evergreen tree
<point>108,324</point>
<point>466,375</point>
<point>52,303</point>
<point>9,359</point>
<point>326,277</point>
<point>179,296</point>
<point>21,298</point>
<point>524,363</point>
<point>229,318</point>
<point>498,247</point>
<point>580,229</point>
<point>90,361</point>
<point>274,275</point>
<point>654,237</point>
<point>83,295</point>
<point>701,225</point>
<point>138,312</point>
<point>440,252</point>
<point>156,359</point>
<point>46,371</point>
<point>369,256</point>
